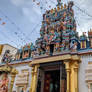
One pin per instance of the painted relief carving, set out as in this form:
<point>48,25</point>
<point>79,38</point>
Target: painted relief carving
<point>7,57</point>
<point>4,83</point>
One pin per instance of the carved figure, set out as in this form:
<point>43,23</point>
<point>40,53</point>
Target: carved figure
<point>7,57</point>
<point>73,46</point>
<point>4,83</point>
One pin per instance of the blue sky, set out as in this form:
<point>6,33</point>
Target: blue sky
<point>23,19</point>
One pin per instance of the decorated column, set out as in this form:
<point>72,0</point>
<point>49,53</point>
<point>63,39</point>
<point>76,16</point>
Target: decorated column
<point>13,75</point>
<point>32,73</point>
<point>68,75</point>
<point>76,76</point>
<point>34,80</point>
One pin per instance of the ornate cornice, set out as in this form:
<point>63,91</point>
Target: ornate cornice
<point>8,69</point>
<point>66,57</point>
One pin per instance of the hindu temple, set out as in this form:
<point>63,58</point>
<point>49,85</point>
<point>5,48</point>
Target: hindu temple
<point>59,61</point>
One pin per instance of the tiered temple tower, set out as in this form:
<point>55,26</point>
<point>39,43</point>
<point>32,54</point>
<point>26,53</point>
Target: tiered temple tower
<point>58,31</point>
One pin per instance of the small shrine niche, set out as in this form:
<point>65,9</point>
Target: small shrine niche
<point>90,37</point>
<point>25,52</point>
<point>83,41</point>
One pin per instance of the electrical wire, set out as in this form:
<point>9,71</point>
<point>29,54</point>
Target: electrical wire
<point>13,23</point>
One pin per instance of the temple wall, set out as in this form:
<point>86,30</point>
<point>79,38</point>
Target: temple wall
<point>20,68</point>
<point>82,67</point>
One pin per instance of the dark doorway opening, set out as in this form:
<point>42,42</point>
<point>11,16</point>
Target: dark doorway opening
<point>51,49</point>
<point>52,81</point>
<point>52,77</point>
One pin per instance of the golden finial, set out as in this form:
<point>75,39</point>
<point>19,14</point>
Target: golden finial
<point>58,8</point>
<point>61,7</point>
<point>90,29</point>
<point>54,9</point>
<point>65,6</point>
<point>51,11</point>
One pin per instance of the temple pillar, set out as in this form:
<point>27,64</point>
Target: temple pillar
<point>13,75</point>
<point>68,75</point>
<point>12,82</point>
<point>32,75</point>
<point>34,79</point>
<point>74,76</point>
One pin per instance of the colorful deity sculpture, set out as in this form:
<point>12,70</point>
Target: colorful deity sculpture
<point>4,83</point>
<point>52,36</point>
<point>46,37</point>
<point>38,46</point>
<point>62,47</point>
<point>7,57</point>
<point>73,46</point>
<point>57,41</point>
<point>25,52</point>
<point>19,53</point>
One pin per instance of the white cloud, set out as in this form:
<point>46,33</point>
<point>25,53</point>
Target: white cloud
<point>17,2</point>
<point>21,2</point>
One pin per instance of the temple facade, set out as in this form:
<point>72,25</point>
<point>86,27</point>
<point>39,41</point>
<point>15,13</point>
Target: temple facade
<point>60,60</point>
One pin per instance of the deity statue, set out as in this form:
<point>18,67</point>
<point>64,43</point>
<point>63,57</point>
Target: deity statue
<point>62,45</point>
<point>70,5</point>
<point>58,8</point>
<point>7,57</point>
<point>57,40</point>
<point>59,1</point>
<point>38,46</point>
<point>4,83</point>
<point>61,7</point>
<point>47,49</point>
<point>73,46</point>
<point>52,35</point>
<point>65,6</point>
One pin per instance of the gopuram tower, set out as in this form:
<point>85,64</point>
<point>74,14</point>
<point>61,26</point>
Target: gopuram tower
<point>56,60</point>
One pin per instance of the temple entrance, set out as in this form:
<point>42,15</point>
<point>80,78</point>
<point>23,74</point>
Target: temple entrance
<point>52,77</point>
<point>52,81</point>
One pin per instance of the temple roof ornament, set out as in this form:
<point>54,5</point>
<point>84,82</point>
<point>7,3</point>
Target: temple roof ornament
<point>8,69</point>
<point>59,2</point>
<point>83,37</point>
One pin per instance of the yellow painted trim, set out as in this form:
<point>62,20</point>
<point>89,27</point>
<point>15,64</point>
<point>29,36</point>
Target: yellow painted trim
<point>71,62</point>
<point>81,45</point>
<point>55,59</point>
<point>1,48</point>
<point>85,43</point>
<point>34,78</point>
